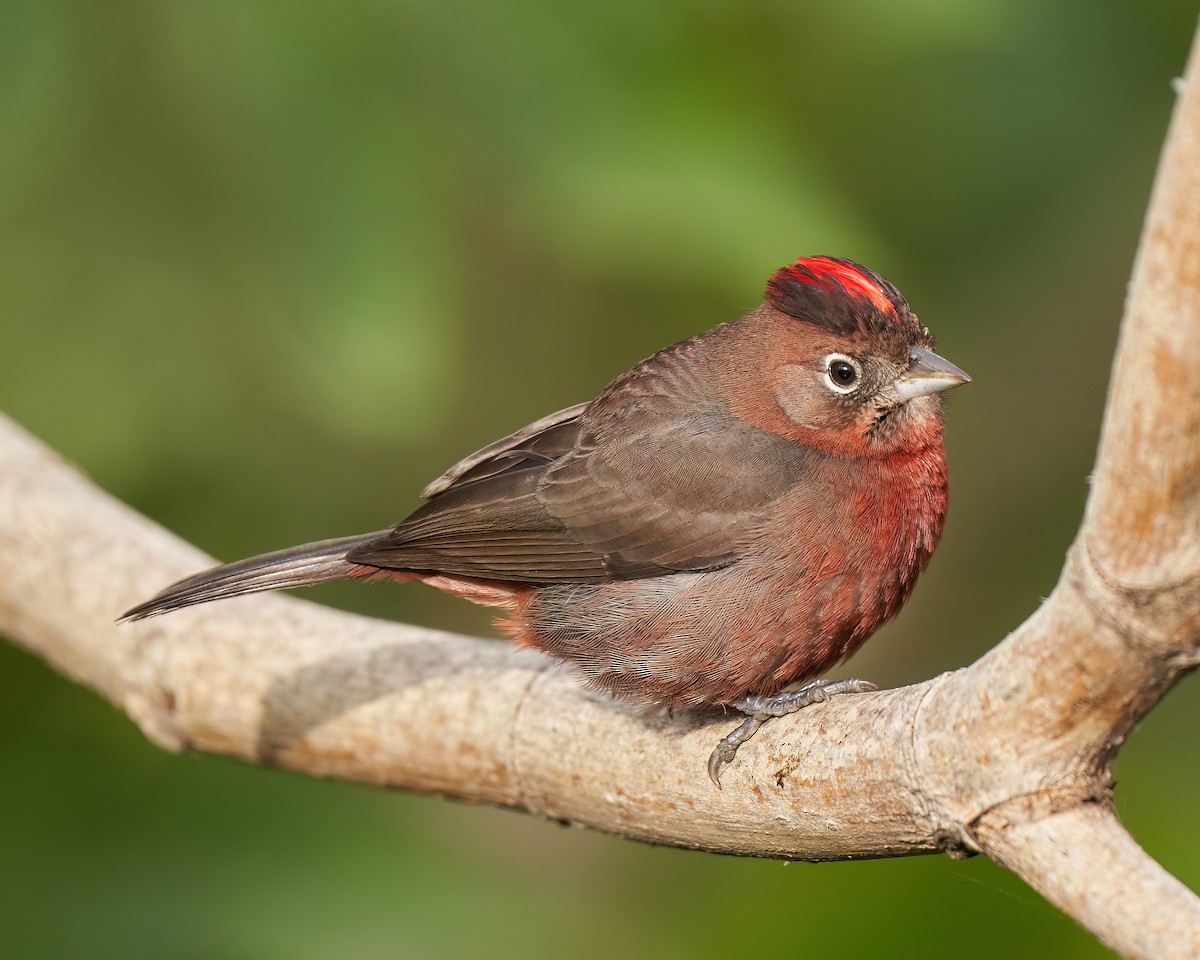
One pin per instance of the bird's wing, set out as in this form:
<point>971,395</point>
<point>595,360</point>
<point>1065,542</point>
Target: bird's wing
<point>483,518</point>
<point>637,491</point>
<point>542,441</point>
<point>670,493</point>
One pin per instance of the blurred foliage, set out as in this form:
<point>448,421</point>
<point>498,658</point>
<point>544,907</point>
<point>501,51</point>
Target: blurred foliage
<point>266,268</point>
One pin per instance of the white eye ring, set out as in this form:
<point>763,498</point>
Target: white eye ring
<point>843,374</point>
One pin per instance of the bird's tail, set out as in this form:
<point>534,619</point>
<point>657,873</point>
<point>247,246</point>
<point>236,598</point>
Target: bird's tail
<point>294,567</point>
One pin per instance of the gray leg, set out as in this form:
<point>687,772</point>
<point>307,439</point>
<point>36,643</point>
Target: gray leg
<point>760,709</point>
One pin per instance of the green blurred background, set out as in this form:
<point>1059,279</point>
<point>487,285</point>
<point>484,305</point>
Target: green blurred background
<point>266,268</point>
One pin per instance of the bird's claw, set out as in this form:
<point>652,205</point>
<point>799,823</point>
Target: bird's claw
<point>759,709</point>
<point>727,749</point>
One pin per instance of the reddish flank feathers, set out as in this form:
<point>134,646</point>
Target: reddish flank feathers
<point>734,515</point>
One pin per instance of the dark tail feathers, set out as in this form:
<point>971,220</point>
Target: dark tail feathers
<point>294,567</point>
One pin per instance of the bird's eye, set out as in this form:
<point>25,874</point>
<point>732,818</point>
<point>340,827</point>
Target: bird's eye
<point>842,373</point>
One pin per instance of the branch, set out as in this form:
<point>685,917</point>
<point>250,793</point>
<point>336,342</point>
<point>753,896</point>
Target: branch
<point>1010,757</point>
<point>1083,861</point>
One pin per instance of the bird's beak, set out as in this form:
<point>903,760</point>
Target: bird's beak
<point>927,373</point>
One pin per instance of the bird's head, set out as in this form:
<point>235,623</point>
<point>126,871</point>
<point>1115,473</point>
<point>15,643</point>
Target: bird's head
<point>851,368</point>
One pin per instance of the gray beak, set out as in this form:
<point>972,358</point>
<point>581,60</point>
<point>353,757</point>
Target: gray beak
<point>928,373</point>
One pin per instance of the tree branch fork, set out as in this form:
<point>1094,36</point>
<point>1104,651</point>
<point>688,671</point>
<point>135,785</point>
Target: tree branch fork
<point>1010,757</point>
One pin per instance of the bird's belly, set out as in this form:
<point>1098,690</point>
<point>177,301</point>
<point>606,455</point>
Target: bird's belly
<point>704,638</point>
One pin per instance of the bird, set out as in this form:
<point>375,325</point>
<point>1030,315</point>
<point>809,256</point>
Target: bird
<point>721,525</point>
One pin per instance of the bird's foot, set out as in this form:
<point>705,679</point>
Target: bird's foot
<point>759,709</point>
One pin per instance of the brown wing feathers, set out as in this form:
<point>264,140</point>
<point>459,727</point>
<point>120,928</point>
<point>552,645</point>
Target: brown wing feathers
<point>494,529</point>
<point>650,481</point>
